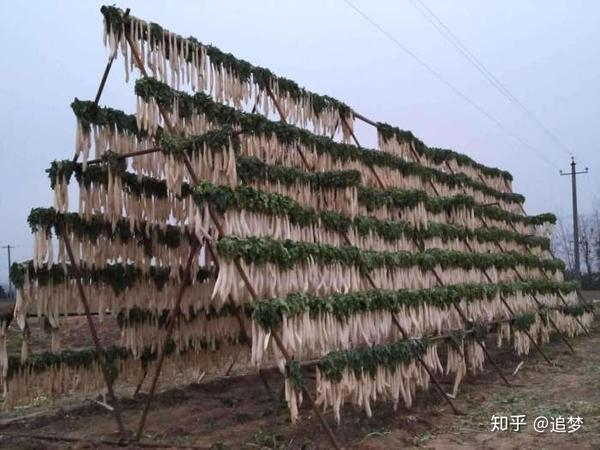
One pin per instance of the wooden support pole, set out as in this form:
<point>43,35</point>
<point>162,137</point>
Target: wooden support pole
<point>193,176</point>
<point>104,78</point>
<point>483,347</point>
<point>346,125</point>
<point>560,333</point>
<point>277,105</point>
<point>337,123</point>
<point>562,298</point>
<point>370,122</point>
<point>98,346</point>
<point>457,307</point>
<point>256,100</point>
<point>172,320</point>
<point>512,313</point>
<point>242,273</point>
<point>213,255</point>
<point>520,277</point>
<point>307,166</point>
<point>371,168</point>
<point>406,336</point>
<point>466,322</point>
<point>364,119</point>
<point>229,369</point>
<point>282,349</point>
<point>539,304</point>
<point>429,372</point>
<point>127,155</point>
<point>580,296</point>
<point>581,300</point>
<point>171,324</point>
<point>139,386</point>
<point>308,395</point>
<point>394,319</point>
<point>536,346</point>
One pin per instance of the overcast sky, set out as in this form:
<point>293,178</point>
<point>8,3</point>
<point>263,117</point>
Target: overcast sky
<point>544,52</point>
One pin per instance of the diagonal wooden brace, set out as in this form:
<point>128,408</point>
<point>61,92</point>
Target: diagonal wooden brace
<point>172,320</point>
<point>93,332</point>
<point>242,273</point>
<point>429,372</point>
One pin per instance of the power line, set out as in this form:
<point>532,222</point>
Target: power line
<point>478,64</point>
<point>428,14</point>
<point>451,86</point>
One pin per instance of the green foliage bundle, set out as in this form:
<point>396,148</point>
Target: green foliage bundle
<point>199,103</point>
<point>287,254</point>
<point>364,361</point>
<point>269,313</point>
<point>119,276</point>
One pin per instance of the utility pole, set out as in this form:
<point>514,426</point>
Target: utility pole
<point>574,174</point>
<point>8,247</point>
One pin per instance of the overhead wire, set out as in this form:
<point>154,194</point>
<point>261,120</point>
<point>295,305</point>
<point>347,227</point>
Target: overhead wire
<point>457,91</point>
<point>476,62</point>
<point>445,31</point>
<point>451,37</point>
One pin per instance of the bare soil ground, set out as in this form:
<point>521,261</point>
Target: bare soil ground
<point>74,334</point>
<point>237,412</point>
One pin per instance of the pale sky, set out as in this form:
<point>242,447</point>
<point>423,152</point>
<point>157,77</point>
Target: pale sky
<point>544,52</point>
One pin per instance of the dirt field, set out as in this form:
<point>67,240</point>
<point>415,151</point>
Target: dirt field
<point>238,413</point>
